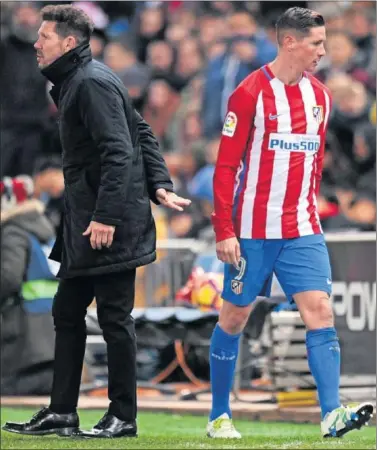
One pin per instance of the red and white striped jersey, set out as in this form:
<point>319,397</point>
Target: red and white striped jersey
<point>270,159</point>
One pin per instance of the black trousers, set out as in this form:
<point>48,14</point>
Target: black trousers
<point>114,295</point>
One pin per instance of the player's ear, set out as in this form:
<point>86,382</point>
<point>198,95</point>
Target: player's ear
<point>289,42</point>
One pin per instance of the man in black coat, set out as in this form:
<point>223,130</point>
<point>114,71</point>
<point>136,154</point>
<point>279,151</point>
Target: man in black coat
<point>112,169</point>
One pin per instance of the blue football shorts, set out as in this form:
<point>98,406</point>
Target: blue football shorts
<point>300,264</point>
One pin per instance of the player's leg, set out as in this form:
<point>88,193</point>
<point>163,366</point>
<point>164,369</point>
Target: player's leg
<point>241,287</point>
<point>223,355</point>
<point>324,362</point>
<point>323,351</point>
<point>303,269</point>
<point>69,310</point>
<point>71,301</point>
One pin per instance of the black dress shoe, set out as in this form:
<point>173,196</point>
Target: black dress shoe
<point>111,427</point>
<point>45,422</point>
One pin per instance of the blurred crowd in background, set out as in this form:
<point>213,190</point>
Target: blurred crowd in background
<point>180,60</point>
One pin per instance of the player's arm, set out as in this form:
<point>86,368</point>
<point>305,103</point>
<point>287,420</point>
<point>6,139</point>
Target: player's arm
<point>321,151</point>
<point>235,135</point>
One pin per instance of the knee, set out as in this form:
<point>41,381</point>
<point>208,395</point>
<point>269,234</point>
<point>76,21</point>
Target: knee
<point>323,312</point>
<point>318,313</point>
<point>116,327</point>
<point>233,318</point>
<point>65,320</point>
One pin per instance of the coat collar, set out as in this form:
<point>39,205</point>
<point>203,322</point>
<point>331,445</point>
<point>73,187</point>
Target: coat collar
<point>63,67</point>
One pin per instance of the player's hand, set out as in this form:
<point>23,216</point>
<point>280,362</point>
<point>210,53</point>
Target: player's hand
<point>101,235</point>
<point>229,251</point>
<point>171,200</point>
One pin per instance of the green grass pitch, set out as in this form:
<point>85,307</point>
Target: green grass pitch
<point>160,431</point>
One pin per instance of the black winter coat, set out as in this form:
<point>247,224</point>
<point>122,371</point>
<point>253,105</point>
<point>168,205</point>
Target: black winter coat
<point>112,168</point>
<point>24,102</point>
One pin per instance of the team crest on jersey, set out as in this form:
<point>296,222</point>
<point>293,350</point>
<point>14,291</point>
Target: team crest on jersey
<point>237,286</point>
<point>230,124</point>
<point>318,113</point>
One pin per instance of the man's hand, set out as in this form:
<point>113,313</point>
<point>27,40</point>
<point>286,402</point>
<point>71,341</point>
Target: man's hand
<point>171,200</point>
<point>100,235</point>
<point>229,251</point>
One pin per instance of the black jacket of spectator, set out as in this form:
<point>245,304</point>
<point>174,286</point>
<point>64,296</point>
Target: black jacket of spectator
<point>27,339</point>
<point>342,126</point>
<point>23,107</point>
<point>22,88</point>
<point>16,225</point>
<point>111,168</point>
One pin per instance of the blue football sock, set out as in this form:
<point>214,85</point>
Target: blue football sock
<point>324,363</point>
<point>223,358</point>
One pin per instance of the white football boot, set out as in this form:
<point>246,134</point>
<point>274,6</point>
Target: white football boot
<point>222,428</point>
<point>346,418</point>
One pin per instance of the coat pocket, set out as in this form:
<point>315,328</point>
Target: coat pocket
<point>127,234</point>
<point>79,194</point>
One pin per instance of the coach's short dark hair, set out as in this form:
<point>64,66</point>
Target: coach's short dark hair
<point>70,20</point>
<point>299,20</point>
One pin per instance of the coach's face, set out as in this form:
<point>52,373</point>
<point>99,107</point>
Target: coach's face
<point>50,46</point>
<point>310,49</point>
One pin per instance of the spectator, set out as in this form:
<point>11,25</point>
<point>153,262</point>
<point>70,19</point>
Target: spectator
<point>98,42</point>
<point>24,104</point>
<point>151,28</point>
<point>211,30</point>
<point>362,24</point>
<point>160,57</point>
<point>190,60</point>
<point>247,49</point>
<point>28,285</point>
<point>190,105</point>
<point>212,150</point>
<point>351,110</point>
<point>243,25</point>
<point>333,13</point>
<point>120,56</point>
<point>5,20</point>
<point>49,188</point>
<point>200,188</point>
<point>221,7</point>
<point>362,208</point>
<point>343,56</point>
<point>192,128</point>
<point>162,102</point>
<point>116,10</point>
<point>176,33</point>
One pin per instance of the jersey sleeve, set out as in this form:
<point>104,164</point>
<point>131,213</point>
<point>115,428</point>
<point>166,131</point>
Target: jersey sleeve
<point>235,134</point>
<point>321,152</point>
